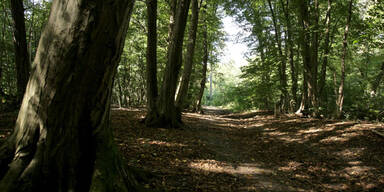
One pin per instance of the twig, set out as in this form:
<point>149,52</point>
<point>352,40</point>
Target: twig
<point>378,133</point>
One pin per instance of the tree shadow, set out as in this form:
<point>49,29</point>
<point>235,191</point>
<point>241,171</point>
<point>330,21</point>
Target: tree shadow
<point>261,153</point>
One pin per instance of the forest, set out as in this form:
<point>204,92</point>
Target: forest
<point>139,95</point>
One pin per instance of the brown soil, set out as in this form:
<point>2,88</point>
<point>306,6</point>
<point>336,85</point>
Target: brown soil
<point>249,152</point>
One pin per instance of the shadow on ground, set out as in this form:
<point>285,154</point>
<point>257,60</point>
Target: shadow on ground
<point>254,152</point>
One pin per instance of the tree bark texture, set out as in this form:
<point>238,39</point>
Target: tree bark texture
<point>151,67</point>
<point>21,51</point>
<point>306,54</point>
<point>62,140</point>
<point>340,98</point>
<point>188,64</point>
<point>168,115</point>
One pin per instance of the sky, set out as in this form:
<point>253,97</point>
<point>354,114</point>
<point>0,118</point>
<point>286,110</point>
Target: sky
<point>234,50</point>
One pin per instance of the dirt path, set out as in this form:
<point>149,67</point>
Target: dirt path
<point>219,151</point>
<point>254,152</point>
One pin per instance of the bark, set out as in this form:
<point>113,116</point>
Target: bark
<point>283,62</point>
<point>340,98</point>
<point>21,52</point>
<point>183,90</point>
<point>62,140</point>
<point>151,67</point>
<point>314,59</point>
<point>205,67</point>
<point>304,39</point>
<point>168,114</point>
<point>326,52</point>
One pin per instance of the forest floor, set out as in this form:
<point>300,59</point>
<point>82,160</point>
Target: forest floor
<point>220,151</point>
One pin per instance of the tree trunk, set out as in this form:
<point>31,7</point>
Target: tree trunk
<point>340,98</point>
<point>183,91</point>
<point>283,61</point>
<point>205,67</point>
<point>314,60</point>
<point>62,139</point>
<point>306,54</point>
<point>151,67</point>
<point>326,52</point>
<point>291,53</point>
<point>21,52</point>
<point>168,115</point>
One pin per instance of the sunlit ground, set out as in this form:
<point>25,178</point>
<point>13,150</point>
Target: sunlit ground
<point>249,152</point>
<point>254,152</point>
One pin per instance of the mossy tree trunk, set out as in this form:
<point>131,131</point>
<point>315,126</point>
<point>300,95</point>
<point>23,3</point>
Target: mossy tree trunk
<point>62,140</point>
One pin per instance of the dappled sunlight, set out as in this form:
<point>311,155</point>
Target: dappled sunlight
<point>261,152</point>
<point>350,153</point>
<point>357,170</point>
<point>161,143</point>
<point>221,167</point>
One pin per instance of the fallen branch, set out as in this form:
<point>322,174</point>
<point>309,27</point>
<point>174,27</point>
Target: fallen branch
<point>378,133</point>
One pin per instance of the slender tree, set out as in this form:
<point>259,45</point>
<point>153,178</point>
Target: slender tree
<point>290,44</point>
<point>21,51</point>
<point>189,59</point>
<point>62,140</point>
<point>282,57</point>
<point>340,94</point>
<point>326,50</point>
<point>197,106</point>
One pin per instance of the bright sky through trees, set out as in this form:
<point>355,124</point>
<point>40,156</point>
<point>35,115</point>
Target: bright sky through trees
<point>235,49</point>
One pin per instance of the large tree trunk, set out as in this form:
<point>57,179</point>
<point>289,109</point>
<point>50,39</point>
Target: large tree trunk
<point>306,54</point>
<point>340,98</point>
<point>314,59</point>
<point>168,115</point>
<point>21,52</point>
<point>326,53</point>
<point>152,90</point>
<point>183,90</point>
<point>62,139</point>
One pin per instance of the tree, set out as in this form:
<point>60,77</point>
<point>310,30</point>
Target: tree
<point>62,140</point>
<point>189,60</point>
<point>151,67</point>
<point>326,49</point>
<point>21,52</point>
<point>168,114</point>
<point>340,96</point>
<point>197,106</point>
<point>283,61</point>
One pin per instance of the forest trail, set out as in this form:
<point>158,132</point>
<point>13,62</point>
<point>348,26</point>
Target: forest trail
<point>220,151</point>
